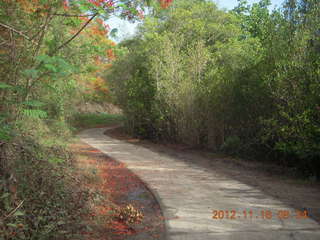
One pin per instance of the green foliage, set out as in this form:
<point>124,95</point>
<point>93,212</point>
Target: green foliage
<point>232,145</point>
<point>5,132</point>
<point>38,202</point>
<point>34,113</point>
<point>4,86</point>
<point>33,103</point>
<point>91,120</point>
<point>244,81</point>
<point>113,32</point>
<point>45,48</point>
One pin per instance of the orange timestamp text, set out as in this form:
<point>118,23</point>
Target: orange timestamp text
<point>263,214</point>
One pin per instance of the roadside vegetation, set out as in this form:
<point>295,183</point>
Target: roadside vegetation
<point>91,120</point>
<point>244,81</point>
<point>52,55</point>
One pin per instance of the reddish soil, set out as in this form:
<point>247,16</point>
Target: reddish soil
<point>114,186</point>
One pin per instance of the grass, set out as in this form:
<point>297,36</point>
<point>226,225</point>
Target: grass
<point>91,120</point>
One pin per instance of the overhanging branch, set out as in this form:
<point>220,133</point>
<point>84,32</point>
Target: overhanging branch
<point>14,30</point>
<point>72,15</point>
<point>75,35</point>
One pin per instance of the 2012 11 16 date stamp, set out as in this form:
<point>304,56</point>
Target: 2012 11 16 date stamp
<point>263,214</point>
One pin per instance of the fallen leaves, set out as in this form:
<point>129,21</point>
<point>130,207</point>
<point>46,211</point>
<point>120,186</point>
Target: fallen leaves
<point>126,207</point>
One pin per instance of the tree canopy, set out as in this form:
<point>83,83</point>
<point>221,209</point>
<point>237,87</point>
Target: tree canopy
<point>244,81</point>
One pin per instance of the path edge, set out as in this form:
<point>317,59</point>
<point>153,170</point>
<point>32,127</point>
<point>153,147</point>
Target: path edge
<point>153,192</point>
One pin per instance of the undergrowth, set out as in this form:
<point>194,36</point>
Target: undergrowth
<point>40,197</point>
<point>91,120</point>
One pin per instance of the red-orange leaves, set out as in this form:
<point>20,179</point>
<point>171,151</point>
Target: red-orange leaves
<point>66,4</point>
<point>110,54</point>
<point>165,3</point>
<point>102,3</point>
<point>31,6</point>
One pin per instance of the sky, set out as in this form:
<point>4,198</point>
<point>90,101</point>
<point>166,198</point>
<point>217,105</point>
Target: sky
<point>127,29</point>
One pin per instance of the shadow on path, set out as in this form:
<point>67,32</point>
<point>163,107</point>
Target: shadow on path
<point>192,190</point>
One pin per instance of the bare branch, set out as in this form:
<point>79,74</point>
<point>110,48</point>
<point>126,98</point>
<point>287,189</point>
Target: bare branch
<point>43,32</point>
<point>40,30</point>
<point>72,15</point>
<point>14,210</point>
<point>3,43</point>
<point>75,35</point>
<point>14,30</point>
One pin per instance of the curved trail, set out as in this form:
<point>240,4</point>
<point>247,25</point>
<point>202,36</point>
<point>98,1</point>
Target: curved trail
<point>188,193</point>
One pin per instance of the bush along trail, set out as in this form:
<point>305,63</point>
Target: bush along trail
<point>244,81</point>
<point>52,57</point>
<point>93,196</point>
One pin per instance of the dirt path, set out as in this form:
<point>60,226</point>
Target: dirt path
<point>204,198</point>
<point>113,186</point>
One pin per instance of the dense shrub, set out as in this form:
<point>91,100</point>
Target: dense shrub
<point>39,197</point>
<point>244,81</point>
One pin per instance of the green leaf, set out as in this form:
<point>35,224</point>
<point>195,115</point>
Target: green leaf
<point>133,11</point>
<point>55,160</point>
<point>43,58</point>
<point>5,135</point>
<point>114,32</point>
<point>5,195</point>
<point>33,103</point>
<point>34,113</point>
<point>61,222</point>
<point>12,225</point>
<point>123,6</point>
<point>51,67</point>
<point>18,213</point>
<point>4,85</point>
<point>32,73</point>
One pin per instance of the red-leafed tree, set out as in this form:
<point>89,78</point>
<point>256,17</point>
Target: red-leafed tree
<point>165,3</point>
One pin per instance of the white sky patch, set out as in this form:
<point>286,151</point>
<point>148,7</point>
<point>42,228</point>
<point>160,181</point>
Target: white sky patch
<point>125,28</point>
<point>230,4</point>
